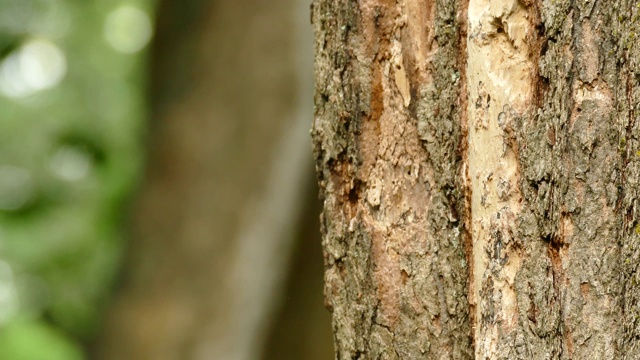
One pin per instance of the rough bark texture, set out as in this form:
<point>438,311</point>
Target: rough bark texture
<point>387,141</point>
<point>480,164</point>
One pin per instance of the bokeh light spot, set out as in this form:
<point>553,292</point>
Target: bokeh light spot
<point>34,295</point>
<point>16,187</point>
<point>71,163</point>
<point>37,65</point>
<point>8,295</point>
<point>128,29</point>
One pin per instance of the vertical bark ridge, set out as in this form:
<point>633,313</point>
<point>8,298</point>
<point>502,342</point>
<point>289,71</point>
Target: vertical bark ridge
<point>569,288</point>
<point>441,125</point>
<point>386,135</point>
<point>624,54</point>
<point>464,179</point>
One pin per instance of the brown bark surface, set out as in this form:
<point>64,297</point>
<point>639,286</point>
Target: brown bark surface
<point>479,163</point>
<point>388,134</point>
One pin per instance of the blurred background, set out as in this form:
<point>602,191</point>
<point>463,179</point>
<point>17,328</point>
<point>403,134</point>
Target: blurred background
<point>157,195</point>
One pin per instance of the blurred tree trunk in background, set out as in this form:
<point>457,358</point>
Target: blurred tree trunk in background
<point>228,169</point>
<point>302,327</point>
<point>480,164</point>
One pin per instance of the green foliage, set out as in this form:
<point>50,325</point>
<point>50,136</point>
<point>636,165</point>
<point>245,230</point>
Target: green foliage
<point>71,94</point>
<point>28,340</point>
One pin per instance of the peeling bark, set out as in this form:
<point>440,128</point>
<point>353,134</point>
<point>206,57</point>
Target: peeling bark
<point>479,163</point>
<point>387,130</point>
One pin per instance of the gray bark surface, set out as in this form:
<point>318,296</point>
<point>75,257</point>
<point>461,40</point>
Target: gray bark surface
<point>479,163</point>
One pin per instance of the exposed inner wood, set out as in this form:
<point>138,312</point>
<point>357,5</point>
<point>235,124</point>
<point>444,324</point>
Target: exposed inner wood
<point>500,84</point>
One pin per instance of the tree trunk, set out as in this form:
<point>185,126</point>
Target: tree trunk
<point>228,172</point>
<point>479,162</point>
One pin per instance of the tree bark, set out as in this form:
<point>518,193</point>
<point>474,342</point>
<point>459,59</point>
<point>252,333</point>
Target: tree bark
<point>479,163</point>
